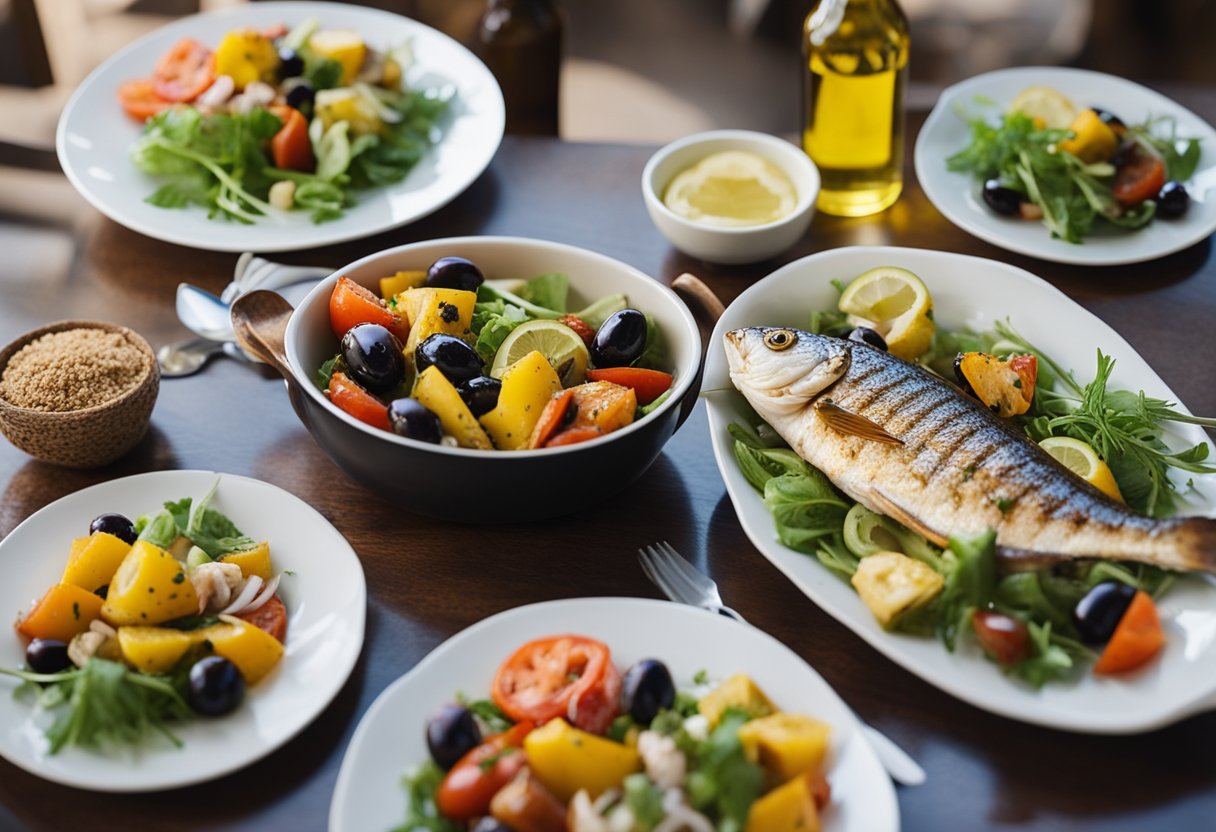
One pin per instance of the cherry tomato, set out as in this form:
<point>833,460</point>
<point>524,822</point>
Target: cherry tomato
<point>270,617</point>
<point>351,304</point>
<point>572,436</point>
<point>567,676</point>
<point>1003,637</point>
<point>185,71</point>
<point>821,790</point>
<point>583,329</point>
<point>466,790</point>
<point>648,385</point>
<point>1139,178</point>
<point>356,401</point>
<point>140,101</point>
<point>291,147</point>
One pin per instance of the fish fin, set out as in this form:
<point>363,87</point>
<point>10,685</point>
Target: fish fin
<point>844,421</point>
<point>888,508</point>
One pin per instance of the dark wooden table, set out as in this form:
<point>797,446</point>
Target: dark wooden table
<point>428,580</point>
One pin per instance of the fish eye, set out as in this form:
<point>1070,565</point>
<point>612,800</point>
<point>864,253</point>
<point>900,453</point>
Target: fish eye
<point>779,339</point>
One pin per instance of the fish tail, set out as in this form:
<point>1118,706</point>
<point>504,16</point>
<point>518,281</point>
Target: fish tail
<point>1196,538</point>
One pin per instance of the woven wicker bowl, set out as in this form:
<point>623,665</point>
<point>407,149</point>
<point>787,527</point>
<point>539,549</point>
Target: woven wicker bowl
<point>90,437</point>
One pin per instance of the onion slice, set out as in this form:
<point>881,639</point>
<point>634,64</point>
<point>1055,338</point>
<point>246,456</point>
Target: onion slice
<point>266,595</point>
<point>247,594</point>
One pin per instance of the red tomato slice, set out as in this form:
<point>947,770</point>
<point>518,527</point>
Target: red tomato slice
<point>568,676</point>
<point>647,384</point>
<point>351,304</point>
<point>466,790</point>
<point>572,436</point>
<point>1137,638</point>
<point>349,396</point>
<point>185,71</point>
<point>1027,368</point>
<point>291,147</point>
<point>271,617</point>
<point>140,101</point>
<point>1139,178</point>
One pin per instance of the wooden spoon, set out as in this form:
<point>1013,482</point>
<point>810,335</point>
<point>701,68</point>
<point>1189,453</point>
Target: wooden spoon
<point>259,320</point>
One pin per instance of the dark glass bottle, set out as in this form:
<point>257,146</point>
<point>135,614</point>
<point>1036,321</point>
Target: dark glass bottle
<point>521,42</point>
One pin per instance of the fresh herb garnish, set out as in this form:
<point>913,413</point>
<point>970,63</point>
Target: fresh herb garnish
<point>104,704</point>
<point>421,814</point>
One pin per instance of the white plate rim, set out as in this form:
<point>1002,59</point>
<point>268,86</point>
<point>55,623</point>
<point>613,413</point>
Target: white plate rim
<point>312,235</point>
<point>569,609</point>
<point>937,182</point>
<point>178,776</point>
<point>856,617</point>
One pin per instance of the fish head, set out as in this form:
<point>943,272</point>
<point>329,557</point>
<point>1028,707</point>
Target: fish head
<point>779,370</point>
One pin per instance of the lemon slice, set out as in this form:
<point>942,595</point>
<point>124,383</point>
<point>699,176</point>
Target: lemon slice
<point>559,344</point>
<point>731,189</point>
<point>896,303</point>
<point>1050,105</point>
<point>1080,458</point>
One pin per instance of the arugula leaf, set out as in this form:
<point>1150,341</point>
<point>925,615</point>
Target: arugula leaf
<point>212,531</point>
<point>159,529</point>
<point>105,704</point>
<point>969,586</point>
<point>326,371</point>
<point>487,293</point>
<point>493,321</point>
<point>1051,657</point>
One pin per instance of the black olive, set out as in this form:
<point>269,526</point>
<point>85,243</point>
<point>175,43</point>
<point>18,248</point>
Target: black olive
<point>620,339</point>
<point>410,418</point>
<point>115,524</point>
<point>1099,612</point>
<point>47,655</point>
<point>1124,154</point>
<point>1001,199</point>
<point>451,732</point>
<point>489,824</point>
<point>455,359</point>
<point>374,356</point>
<point>646,690</point>
<point>454,273</point>
<point>1111,120</point>
<point>1173,200</point>
<point>865,335</point>
<point>290,63</point>
<point>300,94</point>
<point>216,686</point>
<point>480,394</point>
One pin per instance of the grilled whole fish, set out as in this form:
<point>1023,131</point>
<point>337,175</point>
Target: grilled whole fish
<point>905,444</point>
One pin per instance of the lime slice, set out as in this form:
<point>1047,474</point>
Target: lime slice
<point>559,344</point>
<point>731,189</point>
<point>1080,458</point>
<point>1050,105</point>
<point>896,303</point>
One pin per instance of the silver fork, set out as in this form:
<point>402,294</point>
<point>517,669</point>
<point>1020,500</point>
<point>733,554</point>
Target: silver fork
<point>684,583</point>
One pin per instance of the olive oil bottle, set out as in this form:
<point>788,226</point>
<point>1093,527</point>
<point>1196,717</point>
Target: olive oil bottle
<point>855,66</point>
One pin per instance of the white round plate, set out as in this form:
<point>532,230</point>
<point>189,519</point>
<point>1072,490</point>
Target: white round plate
<point>390,737</point>
<point>975,292</point>
<point>957,195</point>
<point>326,600</point>
<point>95,136</point>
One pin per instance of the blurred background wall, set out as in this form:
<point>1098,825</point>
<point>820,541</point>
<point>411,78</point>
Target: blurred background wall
<point>651,70</point>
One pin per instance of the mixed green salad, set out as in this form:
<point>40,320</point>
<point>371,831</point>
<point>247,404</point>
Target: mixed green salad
<point>276,120</point>
<point>1077,168</point>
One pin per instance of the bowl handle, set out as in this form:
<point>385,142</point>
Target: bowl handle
<point>707,309</point>
<point>259,320</point>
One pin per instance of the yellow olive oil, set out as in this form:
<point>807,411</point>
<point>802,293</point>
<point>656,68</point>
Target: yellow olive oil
<point>855,68</point>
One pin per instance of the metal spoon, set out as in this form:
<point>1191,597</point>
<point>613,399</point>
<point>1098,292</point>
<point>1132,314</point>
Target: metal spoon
<point>203,313</point>
<point>185,358</point>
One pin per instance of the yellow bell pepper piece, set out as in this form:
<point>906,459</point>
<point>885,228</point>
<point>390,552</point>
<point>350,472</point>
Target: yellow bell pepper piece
<point>254,651</point>
<point>255,561</point>
<point>740,692</point>
<point>390,287</point>
<point>155,649</point>
<point>430,311</point>
<point>527,386</point>
<point>566,760</point>
<point>246,55</point>
<point>94,560</point>
<point>1094,140</point>
<point>788,808</point>
<point>786,745</point>
<point>438,395</point>
<point>344,46</point>
<point>150,587</point>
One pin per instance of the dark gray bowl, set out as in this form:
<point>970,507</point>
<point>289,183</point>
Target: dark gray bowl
<point>472,486</point>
